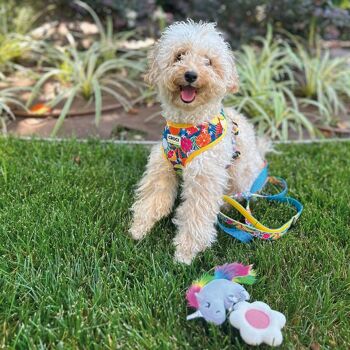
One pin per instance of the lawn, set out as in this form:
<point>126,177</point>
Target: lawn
<point>70,277</point>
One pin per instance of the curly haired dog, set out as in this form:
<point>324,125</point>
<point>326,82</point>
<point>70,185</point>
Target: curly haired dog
<point>193,68</point>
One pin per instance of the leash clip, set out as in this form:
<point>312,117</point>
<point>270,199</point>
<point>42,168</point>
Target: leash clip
<point>245,195</point>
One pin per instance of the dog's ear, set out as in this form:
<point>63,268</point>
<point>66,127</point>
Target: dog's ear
<point>153,68</point>
<point>233,82</point>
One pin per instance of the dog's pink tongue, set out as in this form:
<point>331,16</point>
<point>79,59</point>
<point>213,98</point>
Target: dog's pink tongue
<point>188,93</point>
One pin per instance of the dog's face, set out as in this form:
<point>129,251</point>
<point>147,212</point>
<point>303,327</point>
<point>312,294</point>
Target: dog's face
<point>191,66</point>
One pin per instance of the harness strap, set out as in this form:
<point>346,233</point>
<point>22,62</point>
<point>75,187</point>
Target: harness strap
<point>253,227</point>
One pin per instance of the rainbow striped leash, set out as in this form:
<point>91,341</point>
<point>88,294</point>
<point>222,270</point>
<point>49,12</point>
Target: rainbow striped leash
<point>253,227</point>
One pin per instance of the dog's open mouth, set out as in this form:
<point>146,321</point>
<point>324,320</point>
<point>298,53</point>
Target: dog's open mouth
<point>187,93</point>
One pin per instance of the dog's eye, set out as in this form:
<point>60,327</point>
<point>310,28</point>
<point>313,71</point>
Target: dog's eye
<point>207,61</point>
<point>179,57</point>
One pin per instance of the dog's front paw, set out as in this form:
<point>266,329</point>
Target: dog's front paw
<point>137,231</point>
<point>186,249</point>
<point>183,257</point>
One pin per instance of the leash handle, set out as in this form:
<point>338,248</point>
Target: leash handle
<point>252,226</point>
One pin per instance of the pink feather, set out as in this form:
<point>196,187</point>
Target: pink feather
<point>191,297</point>
<point>230,271</point>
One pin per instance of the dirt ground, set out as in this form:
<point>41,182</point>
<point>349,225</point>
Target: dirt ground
<point>141,124</point>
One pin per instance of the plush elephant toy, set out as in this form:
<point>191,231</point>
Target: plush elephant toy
<point>213,295</point>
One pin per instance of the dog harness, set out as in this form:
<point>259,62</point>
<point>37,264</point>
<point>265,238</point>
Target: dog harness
<point>183,142</point>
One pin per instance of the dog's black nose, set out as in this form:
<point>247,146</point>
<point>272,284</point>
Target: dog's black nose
<point>190,76</point>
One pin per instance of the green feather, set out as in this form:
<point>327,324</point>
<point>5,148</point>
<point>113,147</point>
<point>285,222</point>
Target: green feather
<point>250,279</point>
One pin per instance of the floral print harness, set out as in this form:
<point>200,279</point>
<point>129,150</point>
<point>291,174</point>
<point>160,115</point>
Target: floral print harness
<point>183,142</point>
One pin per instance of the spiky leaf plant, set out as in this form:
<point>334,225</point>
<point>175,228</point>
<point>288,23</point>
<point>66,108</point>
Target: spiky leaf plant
<point>8,100</point>
<point>322,78</point>
<point>110,41</point>
<point>266,89</point>
<point>88,75</point>
<point>15,41</point>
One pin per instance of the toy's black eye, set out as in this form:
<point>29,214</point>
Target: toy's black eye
<point>207,305</point>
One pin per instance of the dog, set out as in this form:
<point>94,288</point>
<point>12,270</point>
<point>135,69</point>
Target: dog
<point>192,68</point>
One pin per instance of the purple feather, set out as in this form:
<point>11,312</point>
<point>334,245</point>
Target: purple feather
<point>230,271</point>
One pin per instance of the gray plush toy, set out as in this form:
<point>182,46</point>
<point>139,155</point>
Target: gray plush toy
<point>212,296</point>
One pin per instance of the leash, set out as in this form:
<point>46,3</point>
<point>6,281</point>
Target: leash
<point>253,227</point>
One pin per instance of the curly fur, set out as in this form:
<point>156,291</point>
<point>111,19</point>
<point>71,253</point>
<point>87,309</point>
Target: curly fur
<point>198,47</point>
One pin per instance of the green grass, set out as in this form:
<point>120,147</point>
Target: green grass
<point>70,277</point>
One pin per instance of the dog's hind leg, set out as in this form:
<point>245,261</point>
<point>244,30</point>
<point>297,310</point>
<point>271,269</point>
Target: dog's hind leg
<point>155,194</point>
<point>195,218</point>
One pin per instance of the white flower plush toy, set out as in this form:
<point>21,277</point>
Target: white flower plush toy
<point>258,323</point>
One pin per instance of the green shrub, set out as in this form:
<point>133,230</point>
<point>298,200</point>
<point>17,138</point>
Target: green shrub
<point>12,47</point>
<point>88,75</point>
<point>109,41</point>
<point>15,43</point>
<point>240,19</point>
<point>8,100</point>
<point>266,89</point>
<point>323,79</point>
<point>244,19</point>
<point>102,69</point>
